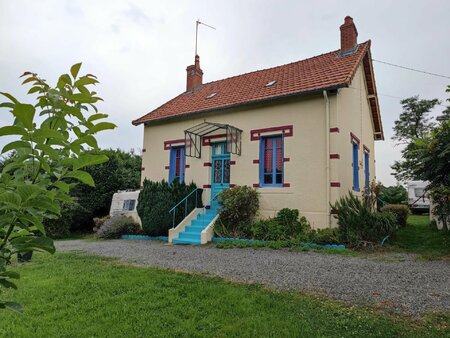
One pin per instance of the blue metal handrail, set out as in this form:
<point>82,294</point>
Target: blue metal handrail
<point>185,200</point>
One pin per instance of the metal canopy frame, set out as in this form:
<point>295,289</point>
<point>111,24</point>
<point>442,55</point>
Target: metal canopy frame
<point>193,138</point>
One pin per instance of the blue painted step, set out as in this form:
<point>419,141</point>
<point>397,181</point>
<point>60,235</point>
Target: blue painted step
<point>192,232</point>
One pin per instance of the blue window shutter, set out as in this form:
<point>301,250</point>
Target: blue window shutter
<point>366,170</point>
<point>173,163</point>
<point>355,167</point>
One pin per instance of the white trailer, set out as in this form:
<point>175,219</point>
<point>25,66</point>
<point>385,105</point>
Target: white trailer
<point>418,199</point>
<point>124,202</point>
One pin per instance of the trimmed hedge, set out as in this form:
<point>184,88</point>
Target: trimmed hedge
<point>400,211</point>
<point>155,201</point>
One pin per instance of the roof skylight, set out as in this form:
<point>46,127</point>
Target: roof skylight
<point>210,96</point>
<point>271,83</point>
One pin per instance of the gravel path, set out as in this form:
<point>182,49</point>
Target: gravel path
<point>403,284</point>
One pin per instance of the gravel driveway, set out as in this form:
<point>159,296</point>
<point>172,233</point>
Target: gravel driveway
<point>403,284</point>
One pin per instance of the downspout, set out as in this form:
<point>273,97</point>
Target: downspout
<point>327,154</point>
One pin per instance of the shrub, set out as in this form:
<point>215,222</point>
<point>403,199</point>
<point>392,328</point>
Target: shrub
<point>239,208</point>
<point>357,222</point>
<point>155,201</point>
<point>325,236</point>
<point>269,230</point>
<point>114,227</point>
<point>289,219</point>
<point>400,211</point>
<point>285,226</point>
<point>60,227</point>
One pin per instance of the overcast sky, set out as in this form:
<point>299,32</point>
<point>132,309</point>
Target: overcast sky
<point>140,49</point>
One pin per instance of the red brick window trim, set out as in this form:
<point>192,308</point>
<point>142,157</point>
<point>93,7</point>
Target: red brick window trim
<point>335,184</point>
<point>335,156</point>
<point>169,143</point>
<point>287,131</point>
<point>354,139</point>
<point>206,141</point>
<point>255,161</point>
<point>366,150</point>
<point>334,130</point>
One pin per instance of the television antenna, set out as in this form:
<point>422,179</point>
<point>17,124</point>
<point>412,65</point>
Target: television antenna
<point>197,23</point>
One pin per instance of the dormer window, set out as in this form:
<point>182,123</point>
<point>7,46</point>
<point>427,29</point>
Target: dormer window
<point>210,96</point>
<point>271,83</point>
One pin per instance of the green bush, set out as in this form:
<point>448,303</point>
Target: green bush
<point>120,172</point>
<point>294,227</point>
<point>269,230</point>
<point>60,227</point>
<point>116,226</point>
<point>357,222</point>
<point>285,226</point>
<point>400,211</point>
<point>155,201</point>
<point>239,206</point>
<point>325,236</point>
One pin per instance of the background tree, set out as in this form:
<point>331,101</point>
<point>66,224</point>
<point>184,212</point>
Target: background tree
<point>396,194</point>
<point>414,123</point>
<point>121,172</point>
<point>50,152</point>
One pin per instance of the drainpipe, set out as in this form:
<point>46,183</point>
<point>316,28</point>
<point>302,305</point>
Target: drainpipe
<point>327,132</point>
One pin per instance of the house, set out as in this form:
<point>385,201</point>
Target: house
<point>302,133</point>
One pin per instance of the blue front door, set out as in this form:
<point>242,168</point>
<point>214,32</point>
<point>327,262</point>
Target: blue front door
<point>220,175</point>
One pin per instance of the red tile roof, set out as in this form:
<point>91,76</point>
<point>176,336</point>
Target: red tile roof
<point>325,71</point>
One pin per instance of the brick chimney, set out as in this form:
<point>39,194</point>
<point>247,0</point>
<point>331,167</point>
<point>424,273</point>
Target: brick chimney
<point>349,34</point>
<point>194,75</point>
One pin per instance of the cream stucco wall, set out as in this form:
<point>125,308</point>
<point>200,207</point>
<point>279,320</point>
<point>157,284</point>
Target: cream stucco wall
<point>353,115</point>
<point>305,172</point>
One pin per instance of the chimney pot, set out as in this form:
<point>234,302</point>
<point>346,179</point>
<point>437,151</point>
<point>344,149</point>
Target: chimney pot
<point>349,34</point>
<point>194,75</point>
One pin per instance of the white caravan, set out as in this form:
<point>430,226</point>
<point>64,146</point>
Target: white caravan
<point>418,199</point>
<point>124,202</point>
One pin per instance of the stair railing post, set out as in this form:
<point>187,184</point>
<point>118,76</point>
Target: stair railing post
<point>173,218</point>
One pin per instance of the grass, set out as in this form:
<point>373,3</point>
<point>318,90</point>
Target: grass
<point>73,295</point>
<point>420,238</point>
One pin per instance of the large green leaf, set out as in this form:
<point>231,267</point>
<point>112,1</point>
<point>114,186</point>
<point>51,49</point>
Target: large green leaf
<point>16,145</point>
<point>102,126</point>
<point>25,114</point>
<point>75,69</point>
<point>63,80</point>
<point>48,133</point>
<point>97,117</point>
<point>83,98</point>
<point>7,284</point>
<point>85,160</point>
<point>63,186</point>
<point>32,243</point>
<point>12,130</point>
<point>9,96</point>
<point>84,81</point>
<point>10,198</point>
<point>81,176</point>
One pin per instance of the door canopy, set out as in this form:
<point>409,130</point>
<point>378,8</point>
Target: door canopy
<point>193,138</point>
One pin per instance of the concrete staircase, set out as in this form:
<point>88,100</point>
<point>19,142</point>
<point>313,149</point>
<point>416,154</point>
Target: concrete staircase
<point>192,231</point>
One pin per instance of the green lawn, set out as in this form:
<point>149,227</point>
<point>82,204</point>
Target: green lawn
<point>72,295</point>
<point>418,237</point>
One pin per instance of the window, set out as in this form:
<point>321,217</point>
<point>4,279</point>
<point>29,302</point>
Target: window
<point>418,192</point>
<point>129,205</point>
<point>366,170</point>
<point>177,161</point>
<point>355,147</point>
<point>271,161</point>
